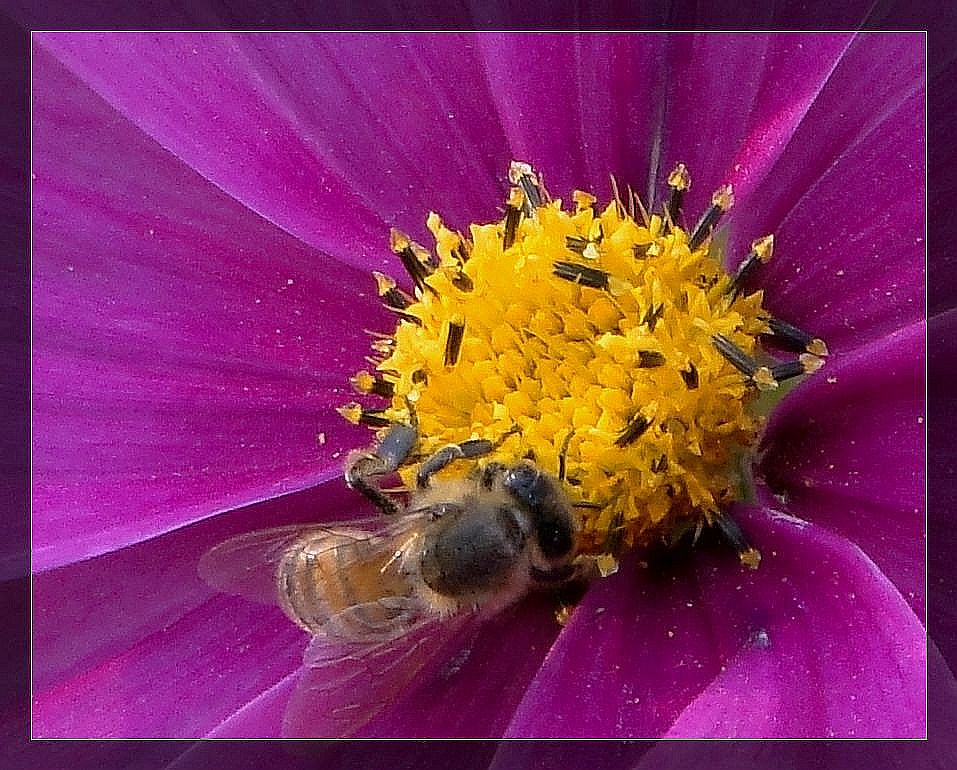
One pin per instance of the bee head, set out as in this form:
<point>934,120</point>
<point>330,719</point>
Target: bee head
<point>552,520</point>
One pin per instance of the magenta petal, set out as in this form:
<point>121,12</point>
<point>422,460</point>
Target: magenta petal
<point>262,716</point>
<point>815,643</point>
<point>733,103</point>
<point>485,674</point>
<point>939,752</point>
<point>632,655</point>
<point>846,201</point>
<point>578,127</point>
<point>178,682</point>
<point>846,449</point>
<point>469,670</point>
<point>327,135</point>
<point>187,355</point>
<point>96,610</point>
<point>840,115</point>
<point>112,625</point>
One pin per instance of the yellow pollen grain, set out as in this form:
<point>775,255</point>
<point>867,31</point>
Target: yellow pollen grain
<point>542,357</point>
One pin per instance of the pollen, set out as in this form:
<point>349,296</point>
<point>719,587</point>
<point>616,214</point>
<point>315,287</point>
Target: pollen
<point>605,343</point>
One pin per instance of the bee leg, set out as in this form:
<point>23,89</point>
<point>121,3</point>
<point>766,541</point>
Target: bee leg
<point>490,473</point>
<point>363,468</point>
<point>448,454</point>
<point>731,532</point>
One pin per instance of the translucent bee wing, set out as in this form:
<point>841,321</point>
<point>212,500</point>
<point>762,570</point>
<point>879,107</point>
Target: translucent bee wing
<point>246,564</point>
<point>344,685</point>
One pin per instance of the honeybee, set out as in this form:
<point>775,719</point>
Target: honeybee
<point>381,596</point>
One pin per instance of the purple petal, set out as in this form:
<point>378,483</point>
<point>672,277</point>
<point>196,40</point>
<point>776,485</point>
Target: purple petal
<point>90,612</point>
<point>328,136</point>
<point>485,675</point>
<point>186,353</point>
<point>733,103</point>
<point>591,121</point>
<point>846,201</point>
<point>815,643</point>
<point>846,450</point>
<point>632,655</point>
<point>939,752</point>
<point>839,114</point>
<point>262,716</point>
<point>178,682</point>
<point>107,627</point>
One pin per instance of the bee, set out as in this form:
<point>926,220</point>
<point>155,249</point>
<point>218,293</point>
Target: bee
<point>379,597</point>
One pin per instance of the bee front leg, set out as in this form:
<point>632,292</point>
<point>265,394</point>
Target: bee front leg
<point>448,454</point>
<point>364,468</point>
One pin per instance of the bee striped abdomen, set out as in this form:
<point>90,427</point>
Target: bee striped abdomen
<point>343,586</point>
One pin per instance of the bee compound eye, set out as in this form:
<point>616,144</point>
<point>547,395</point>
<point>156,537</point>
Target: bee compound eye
<point>555,538</point>
<point>524,482</point>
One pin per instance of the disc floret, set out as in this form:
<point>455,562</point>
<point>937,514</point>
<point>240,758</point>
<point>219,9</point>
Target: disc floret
<point>608,344</point>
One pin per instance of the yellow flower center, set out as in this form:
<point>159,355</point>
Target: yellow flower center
<point>601,343</point>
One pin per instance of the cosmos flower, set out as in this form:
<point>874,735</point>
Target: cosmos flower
<point>207,210</point>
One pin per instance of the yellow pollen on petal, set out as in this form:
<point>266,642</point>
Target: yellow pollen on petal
<point>588,333</point>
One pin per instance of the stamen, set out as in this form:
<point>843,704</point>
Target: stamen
<point>462,282</point>
<point>805,364</point>
<point>761,251</point>
<point>645,216</point>
<point>764,379</point>
<point>606,365</point>
<point>721,201</point>
<point>389,292</point>
<point>383,347</point>
<point>357,415</point>
<point>464,250</point>
<point>619,207</point>
<point>690,376</point>
<point>648,359</point>
<point>653,315</point>
<point>761,376</point>
<point>613,544</point>
<point>735,356</point>
<point>412,319</point>
<point>576,243</point>
<point>679,181</point>
<point>633,430</point>
<point>630,196</point>
<point>810,362</point>
<point>583,200</point>
<point>523,175</point>
<point>787,370</point>
<point>513,215</point>
<point>364,382</point>
<point>453,342</point>
<point>582,274</point>
<point>748,555</point>
<point>793,338</point>
<point>562,455</point>
<point>410,254</point>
